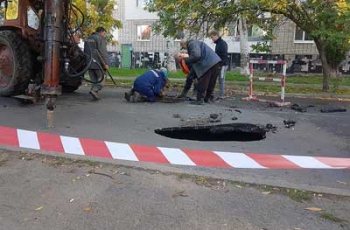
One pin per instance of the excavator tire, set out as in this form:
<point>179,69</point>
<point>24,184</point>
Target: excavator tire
<point>15,64</point>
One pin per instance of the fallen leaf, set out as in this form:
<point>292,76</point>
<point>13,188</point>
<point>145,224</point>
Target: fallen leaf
<point>117,182</point>
<point>87,209</point>
<point>180,193</point>
<point>266,193</point>
<point>341,182</point>
<point>313,209</point>
<point>39,208</point>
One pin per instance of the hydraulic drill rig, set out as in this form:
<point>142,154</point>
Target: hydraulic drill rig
<point>39,54</point>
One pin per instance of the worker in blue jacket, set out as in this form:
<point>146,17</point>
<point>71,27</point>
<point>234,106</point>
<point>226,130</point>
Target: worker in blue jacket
<point>149,86</point>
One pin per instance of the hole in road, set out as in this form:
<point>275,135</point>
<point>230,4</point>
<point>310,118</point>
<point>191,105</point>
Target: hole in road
<point>224,132</point>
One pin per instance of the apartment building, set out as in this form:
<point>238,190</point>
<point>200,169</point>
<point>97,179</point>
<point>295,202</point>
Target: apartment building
<point>139,46</point>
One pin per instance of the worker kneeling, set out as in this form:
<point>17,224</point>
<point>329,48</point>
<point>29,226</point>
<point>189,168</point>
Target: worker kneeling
<point>149,86</point>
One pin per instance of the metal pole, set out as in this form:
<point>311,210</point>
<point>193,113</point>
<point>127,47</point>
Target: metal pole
<point>250,80</point>
<point>283,82</point>
<point>53,37</point>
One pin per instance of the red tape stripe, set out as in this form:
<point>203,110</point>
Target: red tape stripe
<point>8,136</point>
<point>50,142</point>
<point>149,154</point>
<point>95,148</point>
<point>335,162</point>
<point>206,158</point>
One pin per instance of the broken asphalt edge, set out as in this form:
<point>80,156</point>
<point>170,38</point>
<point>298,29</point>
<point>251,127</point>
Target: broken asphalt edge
<point>195,171</point>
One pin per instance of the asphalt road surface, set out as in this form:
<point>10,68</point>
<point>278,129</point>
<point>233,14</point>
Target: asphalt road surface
<point>113,119</point>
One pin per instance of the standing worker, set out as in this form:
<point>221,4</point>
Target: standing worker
<point>221,49</point>
<point>205,63</point>
<point>95,47</point>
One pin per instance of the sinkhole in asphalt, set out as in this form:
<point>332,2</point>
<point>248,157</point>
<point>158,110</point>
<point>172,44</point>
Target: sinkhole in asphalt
<point>224,132</point>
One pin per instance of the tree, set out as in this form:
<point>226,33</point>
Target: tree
<point>327,22</point>
<point>96,13</point>
<point>243,44</point>
<point>196,18</point>
<point>171,64</point>
<point>185,15</point>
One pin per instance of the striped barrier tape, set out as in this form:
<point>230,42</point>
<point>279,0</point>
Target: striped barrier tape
<point>260,61</point>
<point>132,152</point>
<point>268,79</point>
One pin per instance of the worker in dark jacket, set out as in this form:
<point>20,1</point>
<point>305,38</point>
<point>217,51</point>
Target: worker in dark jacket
<point>205,63</point>
<point>149,85</point>
<point>221,50</point>
<point>95,47</point>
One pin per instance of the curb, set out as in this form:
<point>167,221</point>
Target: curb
<point>12,137</point>
<point>320,96</point>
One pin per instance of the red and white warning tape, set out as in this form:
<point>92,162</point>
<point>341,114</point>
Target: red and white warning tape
<point>131,152</point>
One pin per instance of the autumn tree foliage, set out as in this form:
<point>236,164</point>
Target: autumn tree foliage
<point>327,22</point>
<point>96,13</point>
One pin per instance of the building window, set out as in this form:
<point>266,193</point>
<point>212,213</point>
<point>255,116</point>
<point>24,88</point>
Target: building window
<point>144,33</point>
<point>140,3</point>
<point>255,33</point>
<point>301,36</point>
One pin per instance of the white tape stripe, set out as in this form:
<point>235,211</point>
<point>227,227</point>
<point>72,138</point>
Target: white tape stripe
<point>72,145</point>
<point>306,162</point>
<point>238,160</point>
<point>176,156</point>
<point>121,151</point>
<point>28,139</point>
